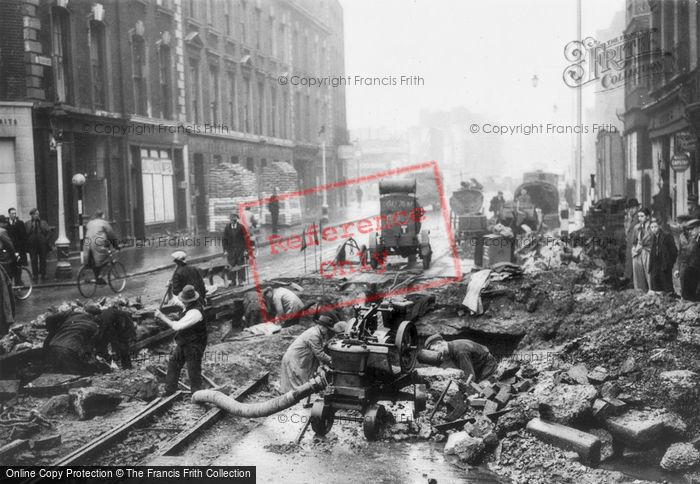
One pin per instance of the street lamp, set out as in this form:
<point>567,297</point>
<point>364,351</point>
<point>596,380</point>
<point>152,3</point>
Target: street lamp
<point>63,267</point>
<point>324,207</point>
<point>78,181</point>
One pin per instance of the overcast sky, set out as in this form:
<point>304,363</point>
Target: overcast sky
<point>478,54</point>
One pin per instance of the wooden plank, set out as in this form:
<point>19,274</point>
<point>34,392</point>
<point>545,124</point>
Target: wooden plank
<point>156,406</point>
<point>453,425</point>
<point>209,419</point>
<point>587,446</point>
<point>156,338</point>
<point>14,447</point>
<point>437,404</point>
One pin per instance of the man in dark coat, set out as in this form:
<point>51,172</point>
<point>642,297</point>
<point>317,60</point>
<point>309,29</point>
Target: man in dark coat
<point>234,242</point>
<point>38,243</point>
<point>76,339</point>
<point>689,260</point>
<point>18,234</point>
<point>661,259</point>
<point>186,274</point>
<point>496,205</point>
<point>467,355</point>
<point>274,208</point>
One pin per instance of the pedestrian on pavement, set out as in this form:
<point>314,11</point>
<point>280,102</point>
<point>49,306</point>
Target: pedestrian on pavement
<point>234,244</point>
<point>274,208</point>
<point>186,274</point>
<point>358,194</point>
<point>18,234</point>
<point>693,208</point>
<point>496,205</point>
<point>689,260</point>
<point>76,339</point>
<point>253,225</point>
<point>283,302</point>
<point>190,339</point>
<point>306,353</point>
<point>467,355</point>
<point>38,243</point>
<point>7,298</point>
<point>100,239</point>
<point>661,259</point>
<point>641,248</point>
<point>632,208</point>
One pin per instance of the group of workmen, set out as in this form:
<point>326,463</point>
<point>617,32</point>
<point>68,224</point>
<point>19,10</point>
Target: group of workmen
<point>654,255</point>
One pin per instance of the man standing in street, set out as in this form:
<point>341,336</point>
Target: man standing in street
<point>689,261</point>
<point>235,248</point>
<point>630,225</point>
<point>18,234</point>
<point>38,243</point>
<point>661,259</point>
<point>186,274</point>
<point>99,241</point>
<point>641,248</point>
<point>274,208</point>
<point>191,340</point>
<point>496,205</point>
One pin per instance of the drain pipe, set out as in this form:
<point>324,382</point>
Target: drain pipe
<point>261,409</point>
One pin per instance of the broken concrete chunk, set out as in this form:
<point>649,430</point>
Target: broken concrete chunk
<point>93,401</point>
<point>565,404</point>
<point>469,449</point>
<point>489,392</point>
<point>636,427</point>
<point>56,404</point>
<point>680,385</point>
<point>579,373</point>
<point>606,441</point>
<point>680,457</point>
<point>522,386</point>
<point>477,402</point>
<point>503,396</point>
<point>601,408</point>
<point>609,389</point>
<point>586,445</point>
<point>507,369</point>
<point>628,366</point>
<point>490,408</point>
<point>598,375</point>
<point>47,442</point>
<point>617,406</point>
<point>511,421</point>
<point>8,389</point>
<point>480,427</point>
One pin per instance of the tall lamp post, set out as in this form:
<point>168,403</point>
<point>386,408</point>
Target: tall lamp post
<point>63,267</point>
<point>78,181</point>
<point>324,207</point>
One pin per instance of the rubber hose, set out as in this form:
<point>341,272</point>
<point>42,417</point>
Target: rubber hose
<point>260,409</point>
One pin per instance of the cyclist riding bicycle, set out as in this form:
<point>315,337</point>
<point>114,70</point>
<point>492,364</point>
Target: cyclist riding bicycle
<point>100,239</point>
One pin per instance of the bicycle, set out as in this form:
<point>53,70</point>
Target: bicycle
<point>116,276</point>
<point>24,289</point>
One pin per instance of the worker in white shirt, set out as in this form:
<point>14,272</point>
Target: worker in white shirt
<point>191,340</point>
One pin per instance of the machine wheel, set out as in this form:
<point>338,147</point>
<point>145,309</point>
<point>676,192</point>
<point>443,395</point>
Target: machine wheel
<point>373,421</point>
<point>407,346</point>
<point>420,397</point>
<point>321,422</point>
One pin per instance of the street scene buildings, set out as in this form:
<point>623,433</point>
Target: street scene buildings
<point>350,241</point>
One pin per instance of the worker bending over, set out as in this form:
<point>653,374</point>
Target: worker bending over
<point>282,301</point>
<point>306,353</point>
<point>472,358</point>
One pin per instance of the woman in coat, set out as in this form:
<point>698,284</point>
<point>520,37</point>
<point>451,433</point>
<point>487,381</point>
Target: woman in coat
<point>305,354</point>
<point>661,259</point>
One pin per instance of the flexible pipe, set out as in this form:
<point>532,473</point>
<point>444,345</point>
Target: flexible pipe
<point>260,409</point>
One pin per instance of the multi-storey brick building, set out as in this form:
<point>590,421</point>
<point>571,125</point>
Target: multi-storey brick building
<point>150,95</point>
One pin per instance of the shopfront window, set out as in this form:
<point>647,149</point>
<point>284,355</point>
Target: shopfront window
<point>158,190</point>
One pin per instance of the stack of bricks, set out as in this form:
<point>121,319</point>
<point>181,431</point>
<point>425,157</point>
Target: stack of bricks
<point>492,396</point>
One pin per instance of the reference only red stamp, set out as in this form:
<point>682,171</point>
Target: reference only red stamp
<point>393,235</point>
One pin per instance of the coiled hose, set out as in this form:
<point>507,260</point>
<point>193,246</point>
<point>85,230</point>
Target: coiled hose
<point>261,409</point>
